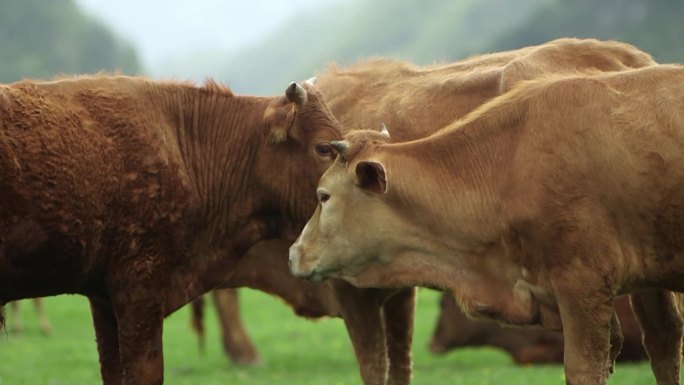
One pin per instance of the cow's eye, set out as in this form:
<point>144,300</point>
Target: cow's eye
<point>323,196</point>
<point>323,149</point>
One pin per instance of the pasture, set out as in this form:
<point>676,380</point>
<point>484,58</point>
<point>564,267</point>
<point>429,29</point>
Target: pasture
<point>293,350</point>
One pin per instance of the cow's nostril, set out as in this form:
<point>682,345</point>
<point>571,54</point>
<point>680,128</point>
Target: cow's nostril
<point>295,256</point>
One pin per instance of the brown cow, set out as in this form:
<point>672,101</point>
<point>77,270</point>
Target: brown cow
<point>373,91</point>
<point>141,195</point>
<point>527,345</point>
<point>540,207</point>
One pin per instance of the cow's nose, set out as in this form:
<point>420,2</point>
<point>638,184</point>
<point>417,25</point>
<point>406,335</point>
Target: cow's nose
<point>296,260</point>
<point>294,257</point>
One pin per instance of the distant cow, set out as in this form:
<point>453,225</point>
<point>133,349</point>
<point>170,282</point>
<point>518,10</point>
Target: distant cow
<point>526,345</point>
<point>416,101</point>
<point>540,207</point>
<point>142,195</point>
<point>236,342</point>
<point>17,326</point>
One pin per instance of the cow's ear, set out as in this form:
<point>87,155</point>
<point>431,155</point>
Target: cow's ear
<point>280,119</point>
<point>281,114</point>
<point>371,176</point>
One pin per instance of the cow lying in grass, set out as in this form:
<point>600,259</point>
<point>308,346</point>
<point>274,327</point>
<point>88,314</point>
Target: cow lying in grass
<point>142,195</point>
<point>16,326</point>
<point>540,207</point>
<point>526,345</point>
<point>381,90</point>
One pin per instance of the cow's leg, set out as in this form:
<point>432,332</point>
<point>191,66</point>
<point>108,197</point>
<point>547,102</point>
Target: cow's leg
<point>586,311</point>
<point>107,336</point>
<point>43,321</point>
<point>140,316</point>
<point>17,327</point>
<point>398,316</point>
<point>361,311</point>
<point>661,326</point>
<point>236,342</point>
<point>616,340</point>
<point>197,320</point>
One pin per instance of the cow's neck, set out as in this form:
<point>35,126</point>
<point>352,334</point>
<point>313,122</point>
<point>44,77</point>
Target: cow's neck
<point>219,137</point>
<point>454,183</point>
<point>452,186</point>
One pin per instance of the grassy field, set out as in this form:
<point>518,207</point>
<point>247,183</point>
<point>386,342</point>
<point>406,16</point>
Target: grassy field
<point>295,351</point>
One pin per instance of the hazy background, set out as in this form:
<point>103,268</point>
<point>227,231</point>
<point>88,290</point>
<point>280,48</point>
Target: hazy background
<point>258,46</point>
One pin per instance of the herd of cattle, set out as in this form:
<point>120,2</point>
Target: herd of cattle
<point>533,186</point>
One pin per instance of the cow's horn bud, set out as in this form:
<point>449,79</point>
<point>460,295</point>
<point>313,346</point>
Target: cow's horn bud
<point>341,146</point>
<point>296,94</point>
<point>384,131</point>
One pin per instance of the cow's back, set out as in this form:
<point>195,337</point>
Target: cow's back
<point>417,101</point>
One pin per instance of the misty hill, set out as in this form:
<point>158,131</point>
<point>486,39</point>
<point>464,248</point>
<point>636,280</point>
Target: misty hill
<point>421,31</point>
<point>430,31</point>
<point>655,26</point>
<point>39,39</point>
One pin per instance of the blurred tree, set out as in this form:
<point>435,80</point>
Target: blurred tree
<point>39,39</point>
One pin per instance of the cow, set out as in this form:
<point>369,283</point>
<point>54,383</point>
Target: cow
<point>43,321</point>
<point>540,207</point>
<point>374,91</point>
<point>526,345</point>
<point>141,195</point>
<point>236,342</point>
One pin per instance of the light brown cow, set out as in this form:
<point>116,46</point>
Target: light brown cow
<point>142,195</point>
<point>416,101</point>
<point>526,345</point>
<point>16,326</point>
<point>540,207</point>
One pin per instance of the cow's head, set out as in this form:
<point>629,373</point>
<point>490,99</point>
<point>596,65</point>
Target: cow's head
<point>297,152</point>
<point>454,329</point>
<point>353,224</point>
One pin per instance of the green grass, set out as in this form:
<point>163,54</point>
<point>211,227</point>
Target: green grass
<point>294,350</point>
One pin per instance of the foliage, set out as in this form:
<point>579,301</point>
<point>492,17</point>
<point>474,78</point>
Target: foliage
<point>294,350</point>
<point>39,39</point>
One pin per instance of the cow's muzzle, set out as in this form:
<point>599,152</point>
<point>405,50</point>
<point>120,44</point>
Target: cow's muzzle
<point>301,266</point>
